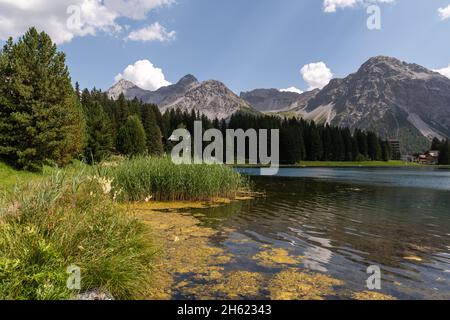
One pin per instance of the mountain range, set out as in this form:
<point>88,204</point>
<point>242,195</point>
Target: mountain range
<point>397,100</point>
<point>211,98</point>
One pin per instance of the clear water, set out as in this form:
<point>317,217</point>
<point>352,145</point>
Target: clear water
<point>344,220</point>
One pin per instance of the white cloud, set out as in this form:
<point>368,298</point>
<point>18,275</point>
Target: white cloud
<point>145,75</point>
<point>135,9</point>
<point>292,89</point>
<point>154,32</point>
<point>444,13</point>
<point>66,19</point>
<point>316,75</point>
<point>444,71</point>
<point>333,5</point>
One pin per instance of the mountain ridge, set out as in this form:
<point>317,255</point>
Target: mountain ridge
<point>395,99</point>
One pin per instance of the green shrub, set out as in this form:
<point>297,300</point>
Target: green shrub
<point>158,178</point>
<point>51,225</point>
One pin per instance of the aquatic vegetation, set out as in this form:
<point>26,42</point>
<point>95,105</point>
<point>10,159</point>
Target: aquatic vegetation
<point>159,179</point>
<point>185,250</point>
<point>276,257</point>
<point>292,284</point>
<point>371,295</point>
<point>50,225</point>
<point>239,284</point>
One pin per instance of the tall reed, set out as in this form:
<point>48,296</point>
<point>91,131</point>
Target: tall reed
<point>158,178</point>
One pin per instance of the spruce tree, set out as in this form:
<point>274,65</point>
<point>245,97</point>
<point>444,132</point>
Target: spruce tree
<point>131,139</point>
<point>373,144</point>
<point>41,119</point>
<point>361,138</point>
<point>444,153</point>
<point>436,144</point>
<point>152,131</point>
<point>100,140</point>
<point>315,152</point>
<point>386,150</point>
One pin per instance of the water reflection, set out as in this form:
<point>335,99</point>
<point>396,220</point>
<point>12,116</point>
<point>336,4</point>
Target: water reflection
<point>341,228</point>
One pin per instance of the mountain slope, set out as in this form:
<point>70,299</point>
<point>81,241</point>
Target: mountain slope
<point>211,98</point>
<point>393,98</point>
<point>396,99</point>
<point>129,90</point>
<point>265,100</point>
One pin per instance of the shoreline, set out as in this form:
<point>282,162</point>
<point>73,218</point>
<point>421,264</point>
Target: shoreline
<point>354,165</point>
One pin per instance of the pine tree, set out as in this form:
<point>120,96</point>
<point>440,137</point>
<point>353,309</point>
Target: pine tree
<point>291,145</point>
<point>386,150</point>
<point>373,144</point>
<point>41,119</point>
<point>78,91</point>
<point>100,140</point>
<point>348,144</point>
<point>315,150</point>
<point>444,153</point>
<point>361,138</point>
<point>131,139</point>
<point>436,144</point>
<point>152,131</point>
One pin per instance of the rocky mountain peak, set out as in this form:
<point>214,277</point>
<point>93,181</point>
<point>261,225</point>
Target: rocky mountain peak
<point>389,67</point>
<point>125,87</point>
<point>188,80</point>
<point>267,100</point>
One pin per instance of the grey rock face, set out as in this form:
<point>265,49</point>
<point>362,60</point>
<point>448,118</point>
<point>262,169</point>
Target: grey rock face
<point>270,99</point>
<point>396,99</point>
<point>211,98</point>
<point>129,89</point>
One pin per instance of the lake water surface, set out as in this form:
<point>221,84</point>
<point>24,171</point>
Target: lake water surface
<point>340,221</point>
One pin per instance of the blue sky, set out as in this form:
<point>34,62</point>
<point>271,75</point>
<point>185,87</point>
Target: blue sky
<point>251,44</point>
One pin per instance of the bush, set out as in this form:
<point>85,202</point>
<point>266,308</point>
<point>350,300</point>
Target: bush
<point>48,226</point>
<point>160,179</point>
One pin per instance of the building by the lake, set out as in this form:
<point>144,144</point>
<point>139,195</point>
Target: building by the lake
<point>396,150</point>
<point>429,158</point>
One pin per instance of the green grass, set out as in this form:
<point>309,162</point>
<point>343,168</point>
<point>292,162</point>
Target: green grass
<point>11,177</point>
<point>160,179</point>
<point>358,164</point>
<point>68,219</point>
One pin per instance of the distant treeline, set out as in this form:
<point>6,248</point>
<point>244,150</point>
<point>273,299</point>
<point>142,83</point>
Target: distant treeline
<point>44,120</point>
<point>299,139</point>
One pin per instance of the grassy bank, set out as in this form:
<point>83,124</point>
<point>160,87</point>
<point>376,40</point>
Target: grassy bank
<point>159,179</point>
<point>49,225</point>
<point>10,177</point>
<point>55,219</point>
